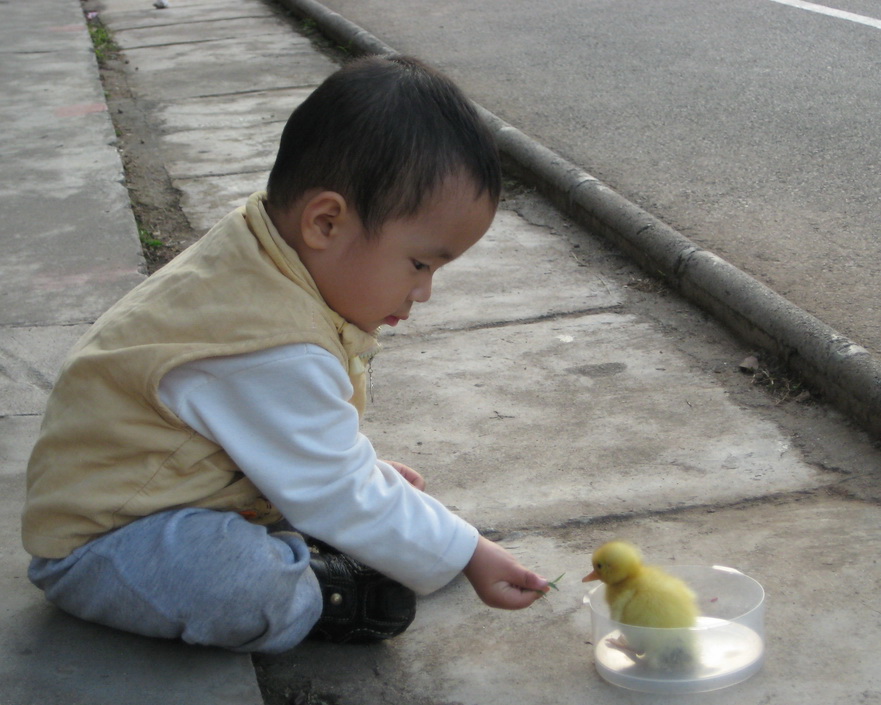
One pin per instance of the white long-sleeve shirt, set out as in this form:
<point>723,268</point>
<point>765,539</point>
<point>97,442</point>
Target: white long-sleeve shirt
<point>284,418</point>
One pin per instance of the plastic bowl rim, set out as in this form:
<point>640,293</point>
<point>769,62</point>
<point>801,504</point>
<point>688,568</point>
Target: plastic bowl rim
<point>760,605</point>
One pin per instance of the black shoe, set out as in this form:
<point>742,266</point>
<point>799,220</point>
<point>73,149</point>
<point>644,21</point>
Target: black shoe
<point>360,604</point>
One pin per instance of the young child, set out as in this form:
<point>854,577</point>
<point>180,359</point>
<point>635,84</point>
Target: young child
<point>222,396</point>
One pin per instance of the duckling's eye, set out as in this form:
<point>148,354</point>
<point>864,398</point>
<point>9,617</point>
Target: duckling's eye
<point>599,566</point>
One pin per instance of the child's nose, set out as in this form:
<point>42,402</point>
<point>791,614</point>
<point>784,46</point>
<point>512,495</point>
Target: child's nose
<point>422,291</point>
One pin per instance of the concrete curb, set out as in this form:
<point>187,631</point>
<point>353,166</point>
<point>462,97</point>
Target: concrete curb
<point>847,374</point>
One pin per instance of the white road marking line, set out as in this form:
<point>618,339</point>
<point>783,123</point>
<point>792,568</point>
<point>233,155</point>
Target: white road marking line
<point>832,12</point>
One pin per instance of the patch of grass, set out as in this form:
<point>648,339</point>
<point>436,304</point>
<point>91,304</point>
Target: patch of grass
<point>347,48</point>
<point>156,252</point>
<point>148,241</point>
<point>102,40</point>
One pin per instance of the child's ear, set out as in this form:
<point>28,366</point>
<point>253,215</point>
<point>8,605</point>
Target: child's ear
<point>322,218</point>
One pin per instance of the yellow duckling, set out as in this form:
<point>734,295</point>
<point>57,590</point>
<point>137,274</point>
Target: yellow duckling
<point>645,596</point>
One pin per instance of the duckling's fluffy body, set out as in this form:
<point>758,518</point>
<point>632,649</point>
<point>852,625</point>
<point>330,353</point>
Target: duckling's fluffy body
<point>645,596</point>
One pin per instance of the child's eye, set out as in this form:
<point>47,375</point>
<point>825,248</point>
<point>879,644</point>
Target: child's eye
<point>419,266</point>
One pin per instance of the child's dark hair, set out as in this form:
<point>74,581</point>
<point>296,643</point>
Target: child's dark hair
<point>384,132</point>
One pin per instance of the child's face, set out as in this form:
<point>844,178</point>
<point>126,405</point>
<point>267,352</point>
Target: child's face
<point>375,282</point>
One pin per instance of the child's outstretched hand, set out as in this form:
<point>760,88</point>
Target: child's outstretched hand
<point>499,580</point>
<point>409,474</point>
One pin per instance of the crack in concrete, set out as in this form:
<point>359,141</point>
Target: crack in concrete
<point>496,534</point>
<point>563,315</point>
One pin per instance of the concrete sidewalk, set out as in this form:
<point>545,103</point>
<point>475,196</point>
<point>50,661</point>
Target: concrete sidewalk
<point>70,249</point>
<point>546,398</point>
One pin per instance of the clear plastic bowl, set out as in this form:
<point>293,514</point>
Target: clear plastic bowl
<point>727,645</point>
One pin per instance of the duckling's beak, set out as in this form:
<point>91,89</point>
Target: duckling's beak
<point>593,575</point>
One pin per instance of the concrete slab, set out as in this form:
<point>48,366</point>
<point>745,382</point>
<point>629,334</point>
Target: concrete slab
<point>205,200</point>
<point>58,270</point>
<point>243,111</point>
<point>29,362</point>
<point>203,136</point>
<point>17,435</point>
<point>128,14</point>
<point>557,421</point>
<point>173,31</point>
<point>516,272</point>
<point>70,249</point>
<point>59,19</point>
<point>61,170</point>
<point>179,71</point>
<point>27,69</point>
<point>189,158</point>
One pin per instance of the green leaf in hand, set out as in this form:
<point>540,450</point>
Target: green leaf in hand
<point>552,584</point>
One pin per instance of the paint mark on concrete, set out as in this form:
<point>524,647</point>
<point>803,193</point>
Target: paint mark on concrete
<point>80,109</point>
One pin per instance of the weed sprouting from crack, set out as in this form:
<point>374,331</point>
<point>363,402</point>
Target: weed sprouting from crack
<point>102,41</point>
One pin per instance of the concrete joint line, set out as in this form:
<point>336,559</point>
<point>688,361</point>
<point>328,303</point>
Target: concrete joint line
<point>188,42</point>
<point>247,91</point>
<point>560,315</point>
<point>848,375</point>
<point>181,23</point>
<point>216,174</point>
<point>599,520</point>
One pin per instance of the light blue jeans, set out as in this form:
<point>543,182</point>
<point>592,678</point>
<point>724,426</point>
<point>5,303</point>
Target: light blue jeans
<point>202,576</point>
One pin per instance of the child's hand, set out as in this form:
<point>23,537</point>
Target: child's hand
<point>499,580</point>
<point>410,475</point>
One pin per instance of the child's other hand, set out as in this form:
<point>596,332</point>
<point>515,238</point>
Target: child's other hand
<point>409,474</point>
<point>499,580</point>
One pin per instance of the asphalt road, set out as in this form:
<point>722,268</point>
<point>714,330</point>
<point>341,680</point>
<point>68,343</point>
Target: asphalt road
<point>751,126</point>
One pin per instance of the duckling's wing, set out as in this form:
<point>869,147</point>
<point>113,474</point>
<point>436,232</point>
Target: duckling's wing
<point>660,600</point>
